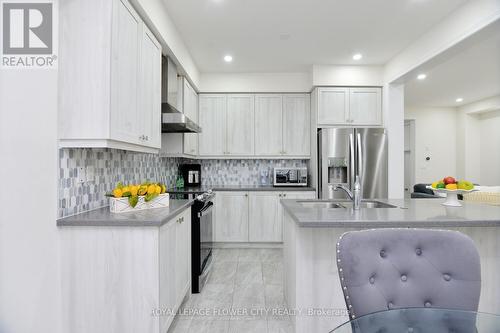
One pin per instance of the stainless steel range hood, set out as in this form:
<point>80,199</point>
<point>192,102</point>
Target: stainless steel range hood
<point>172,119</point>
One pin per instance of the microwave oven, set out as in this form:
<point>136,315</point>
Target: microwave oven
<point>290,176</point>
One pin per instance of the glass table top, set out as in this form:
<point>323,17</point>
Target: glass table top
<point>419,320</point>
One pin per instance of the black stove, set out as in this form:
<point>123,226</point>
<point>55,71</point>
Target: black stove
<point>201,239</point>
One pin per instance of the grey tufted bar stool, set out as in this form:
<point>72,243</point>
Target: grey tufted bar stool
<point>399,268</point>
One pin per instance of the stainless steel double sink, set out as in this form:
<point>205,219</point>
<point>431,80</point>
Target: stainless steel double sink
<point>343,204</point>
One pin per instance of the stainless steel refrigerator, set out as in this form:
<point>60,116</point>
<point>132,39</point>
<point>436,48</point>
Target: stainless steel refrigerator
<point>344,153</point>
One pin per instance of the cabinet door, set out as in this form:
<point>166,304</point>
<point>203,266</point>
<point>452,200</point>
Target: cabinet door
<point>333,105</point>
<point>182,258</point>
<point>296,125</point>
<point>231,217</point>
<point>268,125</point>
<point>293,195</point>
<point>240,120</point>
<point>167,262</point>
<point>263,223</point>
<point>191,111</point>
<point>150,112</point>
<point>125,124</point>
<point>365,106</point>
<point>212,115</point>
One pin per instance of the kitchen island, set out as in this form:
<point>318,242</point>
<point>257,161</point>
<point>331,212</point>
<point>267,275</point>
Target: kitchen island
<point>125,272</point>
<point>312,229</point>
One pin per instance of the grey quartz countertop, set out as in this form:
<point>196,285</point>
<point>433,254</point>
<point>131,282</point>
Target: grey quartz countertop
<point>142,218</point>
<point>409,213</point>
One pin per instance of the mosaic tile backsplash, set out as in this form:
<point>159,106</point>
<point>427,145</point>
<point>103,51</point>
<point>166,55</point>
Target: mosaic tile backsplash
<point>102,169</point>
<point>241,172</point>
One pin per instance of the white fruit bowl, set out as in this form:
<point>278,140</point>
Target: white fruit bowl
<point>451,195</point>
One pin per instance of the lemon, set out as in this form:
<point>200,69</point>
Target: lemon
<point>163,188</point>
<point>151,189</point>
<point>117,193</point>
<point>133,190</point>
<point>434,185</point>
<point>158,189</point>
<point>451,187</point>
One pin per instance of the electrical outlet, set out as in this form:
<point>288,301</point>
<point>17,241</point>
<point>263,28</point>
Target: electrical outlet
<point>82,177</point>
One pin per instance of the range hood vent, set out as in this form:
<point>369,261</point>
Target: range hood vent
<point>172,119</point>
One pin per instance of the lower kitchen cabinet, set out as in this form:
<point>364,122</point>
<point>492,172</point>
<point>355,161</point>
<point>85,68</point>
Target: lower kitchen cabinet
<point>125,279</point>
<point>231,217</point>
<point>264,225</point>
<point>254,216</point>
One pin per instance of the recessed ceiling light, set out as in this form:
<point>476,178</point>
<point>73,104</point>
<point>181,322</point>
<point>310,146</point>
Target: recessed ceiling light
<point>459,100</point>
<point>228,58</point>
<point>421,76</point>
<point>357,56</point>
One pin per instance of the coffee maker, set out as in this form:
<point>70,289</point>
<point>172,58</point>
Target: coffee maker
<point>191,173</point>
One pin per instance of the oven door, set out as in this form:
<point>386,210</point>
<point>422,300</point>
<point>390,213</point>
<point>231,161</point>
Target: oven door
<point>206,239</point>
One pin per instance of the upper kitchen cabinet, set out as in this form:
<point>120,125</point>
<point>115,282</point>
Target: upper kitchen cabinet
<point>296,125</point>
<point>255,126</point>
<point>349,106</point>
<point>227,123</point>
<point>333,105</point>
<point>269,125</point>
<point>212,116</point>
<point>240,125</point>
<point>109,93</point>
<point>191,111</point>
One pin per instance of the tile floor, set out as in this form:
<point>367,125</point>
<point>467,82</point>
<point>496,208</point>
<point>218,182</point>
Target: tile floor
<point>244,293</point>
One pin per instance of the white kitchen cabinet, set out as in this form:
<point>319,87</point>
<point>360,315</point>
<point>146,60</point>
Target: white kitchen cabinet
<point>240,115</point>
<point>268,125</point>
<point>231,217</point>
<point>182,255</point>
<point>349,106</point>
<point>264,224</point>
<point>141,273</point>
<point>150,113</point>
<point>255,126</point>
<point>167,261</point>
<point>109,85</point>
<point>212,116</point>
<point>126,44</point>
<point>296,125</point>
<point>175,264</point>
<point>365,106</point>
<point>252,216</point>
<point>333,106</point>
<point>191,111</point>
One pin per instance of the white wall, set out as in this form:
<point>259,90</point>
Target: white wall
<point>393,108</point>
<point>435,137</point>
<point>460,24</point>
<point>156,16</point>
<point>255,82</point>
<point>330,75</point>
<point>29,243</point>
<point>489,128</point>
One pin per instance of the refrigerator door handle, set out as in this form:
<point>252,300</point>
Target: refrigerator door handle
<point>352,164</point>
<point>360,155</point>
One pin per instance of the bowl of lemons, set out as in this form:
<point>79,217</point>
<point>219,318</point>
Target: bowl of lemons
<point>132,197</point>
<point>452,188</point>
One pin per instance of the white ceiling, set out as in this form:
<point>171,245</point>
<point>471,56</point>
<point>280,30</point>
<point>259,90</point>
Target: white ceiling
<point>291,35</point>
<point>472,72</point>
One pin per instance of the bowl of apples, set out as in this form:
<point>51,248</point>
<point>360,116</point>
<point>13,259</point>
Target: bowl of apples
<point>452,188</point>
